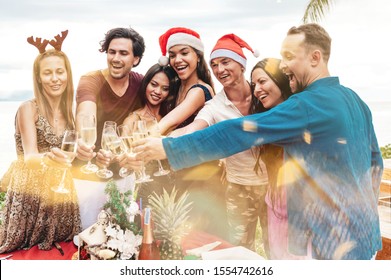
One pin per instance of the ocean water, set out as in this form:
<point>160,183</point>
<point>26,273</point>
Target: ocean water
<point>7,129</point>
<point>381,113</point>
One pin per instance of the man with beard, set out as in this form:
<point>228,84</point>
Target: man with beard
<point>332,162</point>
<point>111,94</point>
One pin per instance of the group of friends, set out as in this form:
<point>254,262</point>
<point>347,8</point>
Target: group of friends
<point>294,150</point>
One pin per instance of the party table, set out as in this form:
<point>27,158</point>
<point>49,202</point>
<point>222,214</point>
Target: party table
<point>192,240</point>
<point>91,196</point>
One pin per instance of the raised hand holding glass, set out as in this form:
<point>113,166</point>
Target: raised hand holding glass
<point>88,135</point>
<point>109,128</point>
<point>125,134</point>
<point>69,147</point>
<point>141,132</point>
<point>153,129</point>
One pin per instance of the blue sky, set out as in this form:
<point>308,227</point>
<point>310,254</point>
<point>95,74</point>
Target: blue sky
<point>358,28</point>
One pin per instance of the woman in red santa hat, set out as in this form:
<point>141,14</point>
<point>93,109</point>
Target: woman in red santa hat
<point>194,84</point>
<point>194,87</point>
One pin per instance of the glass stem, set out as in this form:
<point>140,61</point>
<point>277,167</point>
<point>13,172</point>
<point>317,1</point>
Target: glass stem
<point>143,170</point>
<point>63,179</point>
<point>160,165</point>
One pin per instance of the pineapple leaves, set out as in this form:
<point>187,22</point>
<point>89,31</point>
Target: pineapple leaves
<point>170,215</point>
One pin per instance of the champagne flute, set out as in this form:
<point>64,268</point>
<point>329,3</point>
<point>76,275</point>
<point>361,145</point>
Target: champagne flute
<point>125,134</point>
<point>88,135</point>
<point>112,124</point>
<point>141,132</point>
<point>114,142</point>
<point>153,129</point>
<point>69,147</point>
<point>108,128</point>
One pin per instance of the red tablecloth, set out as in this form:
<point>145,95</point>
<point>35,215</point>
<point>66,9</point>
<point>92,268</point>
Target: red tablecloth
<point>34,253</point>
<point>193,240</point>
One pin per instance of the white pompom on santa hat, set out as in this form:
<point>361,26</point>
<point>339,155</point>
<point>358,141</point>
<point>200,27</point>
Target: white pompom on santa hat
<point>231,46</point>
<point>178,36</point>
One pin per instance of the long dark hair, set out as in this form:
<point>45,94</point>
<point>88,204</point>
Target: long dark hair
<point>272,69</point>
<point>171,74</point>
<point>271,154</point>
<point>203,74</point>
<point>203,71</point>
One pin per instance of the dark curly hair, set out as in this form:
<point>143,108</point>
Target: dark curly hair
<point>127,33</point>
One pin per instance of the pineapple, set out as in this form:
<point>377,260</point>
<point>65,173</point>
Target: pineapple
<point>169,218</point>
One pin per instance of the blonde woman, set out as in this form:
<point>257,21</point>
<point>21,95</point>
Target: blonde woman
<point>33,213</point>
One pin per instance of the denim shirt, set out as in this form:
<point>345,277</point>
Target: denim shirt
<point>332,166</point>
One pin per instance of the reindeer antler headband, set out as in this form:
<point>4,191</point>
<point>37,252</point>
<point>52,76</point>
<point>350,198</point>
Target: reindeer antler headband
<point>41,45</point>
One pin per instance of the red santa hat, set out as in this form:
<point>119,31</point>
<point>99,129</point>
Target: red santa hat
<point>231,46</point>
<point>178,36</point>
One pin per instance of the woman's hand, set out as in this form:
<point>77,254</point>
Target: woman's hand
<point>129,161</point>
<point>84,152</point>
<point>34,161</point>
<point>103,158</point>
<point>149,149</point>
<point>57,158</point>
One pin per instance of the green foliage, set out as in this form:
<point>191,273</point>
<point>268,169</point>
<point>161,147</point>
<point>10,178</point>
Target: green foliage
<point>117,204</point>
<point>386,151</point>
<point>2,202</point>
<point>315,10</point>
<point>259,247</point>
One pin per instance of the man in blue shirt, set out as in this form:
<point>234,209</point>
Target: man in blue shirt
<point>332,162</point>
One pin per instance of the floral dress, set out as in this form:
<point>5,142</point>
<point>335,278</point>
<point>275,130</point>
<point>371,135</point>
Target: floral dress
<point>34,214</point>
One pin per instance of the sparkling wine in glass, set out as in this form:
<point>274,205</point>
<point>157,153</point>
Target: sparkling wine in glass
<point>114,143</point>
<point>69,147</point>
<point>125,134</point>
<point>107,144</point>
<point>153,130</point>
<point>88,135</point>
<point>110,124</point>
<point>141,132</point>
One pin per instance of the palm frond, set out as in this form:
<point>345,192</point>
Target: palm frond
<point>316,10</point>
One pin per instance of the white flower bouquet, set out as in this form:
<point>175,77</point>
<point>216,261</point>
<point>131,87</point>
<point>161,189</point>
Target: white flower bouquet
<point>115,235</point>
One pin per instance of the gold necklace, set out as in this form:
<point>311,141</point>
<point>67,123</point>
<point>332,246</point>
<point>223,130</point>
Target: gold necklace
<point>149,112</point>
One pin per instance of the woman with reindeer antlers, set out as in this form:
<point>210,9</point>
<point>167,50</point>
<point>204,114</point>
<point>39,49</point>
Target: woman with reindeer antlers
<point>33,213</point>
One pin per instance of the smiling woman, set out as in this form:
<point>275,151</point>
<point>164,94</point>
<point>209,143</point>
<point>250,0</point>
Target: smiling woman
<point>40,125</point>
<point>194,84</point>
